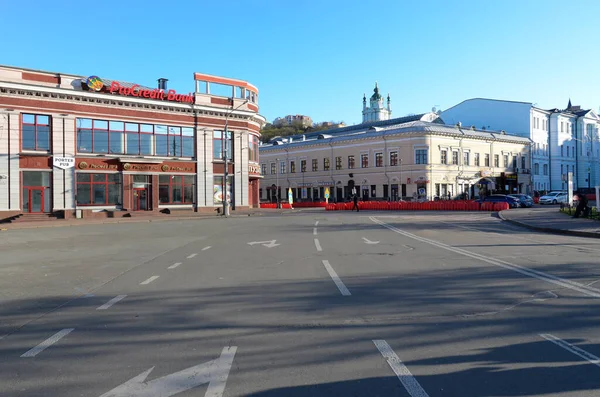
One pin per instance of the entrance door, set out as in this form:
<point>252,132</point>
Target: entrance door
<point>33,200</point>
<point>140,199</point>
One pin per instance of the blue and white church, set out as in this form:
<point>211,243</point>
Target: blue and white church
<point>377,111</point>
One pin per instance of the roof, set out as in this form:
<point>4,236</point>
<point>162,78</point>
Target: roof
<point>414,127</point>
<point>488,99</point>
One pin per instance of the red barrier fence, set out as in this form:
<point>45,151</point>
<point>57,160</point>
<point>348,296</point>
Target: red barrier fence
<point>308,204</point>
<point>416,206</point>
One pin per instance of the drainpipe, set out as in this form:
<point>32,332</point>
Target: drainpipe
<point>331,171</point>
<point>385,162</point>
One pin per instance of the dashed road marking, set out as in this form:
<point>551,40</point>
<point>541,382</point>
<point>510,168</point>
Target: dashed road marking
<point>191,256</point>
<point>174,265</point>
<point>336,279</point>
<point>573,349</point>
<point>206,248</point>
<point>406,378</point>
<point>47,343</point>
<point>318,245</point>
<point>151,279</point>
<point>111,302</point>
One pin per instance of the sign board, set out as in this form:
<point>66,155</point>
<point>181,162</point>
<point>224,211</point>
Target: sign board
<point>63,162</point>
<point>290,196</point>
<point>570,186</point>
<point>326,193</point>
<point>3,179</point>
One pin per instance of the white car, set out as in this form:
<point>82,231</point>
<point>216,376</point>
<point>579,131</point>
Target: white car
<point>554,198</point>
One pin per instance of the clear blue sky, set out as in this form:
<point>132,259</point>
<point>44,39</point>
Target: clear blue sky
<point>318,57</point>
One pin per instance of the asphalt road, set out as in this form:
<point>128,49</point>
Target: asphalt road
<point>320,304</point>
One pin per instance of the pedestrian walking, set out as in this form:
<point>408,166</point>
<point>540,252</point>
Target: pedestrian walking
<point>355,198</point>
<point>582,205</point>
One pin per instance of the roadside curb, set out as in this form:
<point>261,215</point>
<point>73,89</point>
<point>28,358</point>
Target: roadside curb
<point>565,232</point>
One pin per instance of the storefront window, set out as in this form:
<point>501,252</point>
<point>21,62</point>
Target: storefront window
<point>98,189</point>
<point>218,145</point>
<point>252,148</point>
<point>218,190</point>
<point>174,141</point>
<point>176,189</point>
<point>35,132</point>
<point>187,141</point>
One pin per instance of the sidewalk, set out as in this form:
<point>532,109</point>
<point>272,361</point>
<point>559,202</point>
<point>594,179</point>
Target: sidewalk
<point>550,219</point>
<point>134,219</point>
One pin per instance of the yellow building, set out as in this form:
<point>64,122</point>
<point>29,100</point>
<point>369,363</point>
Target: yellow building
<point>414,157</point>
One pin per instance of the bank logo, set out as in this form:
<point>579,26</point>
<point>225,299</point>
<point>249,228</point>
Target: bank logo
<point>94,83</point>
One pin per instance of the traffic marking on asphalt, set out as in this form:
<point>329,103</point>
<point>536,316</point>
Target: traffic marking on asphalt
<point>47,343</point>
<point>573,349</point>
<point>191,256</point>
<point>314,231</point>
<point>174,265</point>
<point>111,302</point>
<point>268,244</point>
<point>367,241</point>
<point>206,248</point>
<point>402,372</point>
<point>151,279</point>
<point>572,285</point>
<point>317,223</point>
<point>214,373</point>
<point>318,245</point>
<point>336,279</point>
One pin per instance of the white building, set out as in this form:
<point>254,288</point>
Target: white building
<point>376,112</point>
<point>563,141</point>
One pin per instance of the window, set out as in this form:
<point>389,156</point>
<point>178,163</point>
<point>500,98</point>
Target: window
<point>35,130</point>
<point>466,158</point>
<point>315,165</point>
<point>378,159</point>
<point>116,137</point>
<point>253,145</point>
<point>455,157</point>
<point>421,156</point>
<point>132,138</point>
<point>364,160</point>
<point>188,147</point>
<point>444,157</point>
<point>486,160</point>
<point>496,160</point>
<point>263,169</point>
<point>393,159</point>
<point>562,150</point>
<point>567,151</point>
<point>98,189</point>
<point>302,165</point>
<point>147,139</point>
<point>523,162</point>
<point>218,137</point>
<point>293,167</point>
<point>476,159</point>
<point>505,158</point>
<point>176,189</point>
<point>350,162</point>
<point>326,164</point>
<point>174,141</point>
<point>282,167</point>
<point>338,163</point>
<point>273,168</point>
<point>536,169</point>
<point>514,161</point>
<point>218,189</point>
<point>545,169</point>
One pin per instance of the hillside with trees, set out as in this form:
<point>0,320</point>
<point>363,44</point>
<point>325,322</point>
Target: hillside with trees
<point>270,130</point>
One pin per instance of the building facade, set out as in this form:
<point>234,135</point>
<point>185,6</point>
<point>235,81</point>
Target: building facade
<point>415,157</point>
<point>563,141</point>
<point>88,146</point>
<point>304,121</point>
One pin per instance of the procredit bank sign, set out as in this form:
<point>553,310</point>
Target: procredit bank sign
<point>96,84</point>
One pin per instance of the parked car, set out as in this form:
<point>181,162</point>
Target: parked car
<point>502,198</point>
<point>554,198</point>
<point>525,200</point>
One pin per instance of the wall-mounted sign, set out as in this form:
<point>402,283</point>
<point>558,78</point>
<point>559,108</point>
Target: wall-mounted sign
<point>254,168</point>
<point>94,83</point>
<point>136,91</point>
<point>63,162</point>
<point>421,179</point>
<point>93,166</point>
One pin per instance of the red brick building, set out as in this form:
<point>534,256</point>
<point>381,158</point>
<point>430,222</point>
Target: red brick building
<point>92,147</point>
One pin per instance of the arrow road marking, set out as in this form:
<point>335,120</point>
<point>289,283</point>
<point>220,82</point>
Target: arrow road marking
<point>406,378</point>
<point>47,343</point>
<point>268,244</point>
<point>573,349</point>
<point>214,373</point>
<point>369,241</point>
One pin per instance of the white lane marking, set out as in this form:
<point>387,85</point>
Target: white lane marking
<point>314,231</point>
<point>214,372</point>
<point>318,245</point>
<point>174,265</point>
<point>84,293</point>
<point>367,241</point>
<point>573,349</point>
<point>316,223</point>
<point>191,256</point>
<point>206,248</point>
<point>47,343</point>
<point>151,279</point>
<point>336,279</point>
<point>590,291</point>
<point>406,378</point>
<point>111,302</point>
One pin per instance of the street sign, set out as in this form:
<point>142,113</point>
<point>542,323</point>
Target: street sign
<point>63,162</point>
<point>327,193</point>
<point>214,373</point>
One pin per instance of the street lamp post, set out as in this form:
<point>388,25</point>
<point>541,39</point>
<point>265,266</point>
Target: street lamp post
<point>589,178</point>
<point>277,183</point>
<point>224,142</point>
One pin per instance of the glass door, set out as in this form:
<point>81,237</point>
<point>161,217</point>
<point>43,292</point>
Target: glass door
<point>140,199</point>
<point>33,200</point>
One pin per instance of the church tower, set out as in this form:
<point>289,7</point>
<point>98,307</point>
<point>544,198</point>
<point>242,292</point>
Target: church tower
<point>377,111</point>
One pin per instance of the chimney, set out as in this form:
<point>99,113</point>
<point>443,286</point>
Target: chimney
<point>162,83</point>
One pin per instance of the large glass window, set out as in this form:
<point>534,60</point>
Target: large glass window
<point>35,131</point>
<point>253,143</point>
<point>176,189</point>
<point>117,137</point>
<point>364,160</point>
<point>98,189</point>
<point>455,157</point>
<point>350,162</point>
<point>466,159</point>
<point>302,165</point>
<point>476,159</point>
<point>326,164</point>
<point>378,159</point>
<point>315,165</point>
<point>393,159</point>
<point>421,156</point>
<point>218,137</point>
<point>444,157</point>
<point>338,163</point>
<point>218,189</point>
